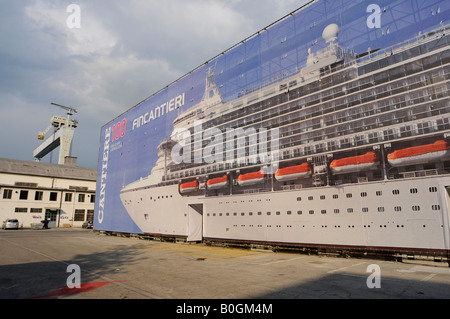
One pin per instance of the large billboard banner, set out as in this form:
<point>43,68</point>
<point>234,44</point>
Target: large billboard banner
<point>132,144</point>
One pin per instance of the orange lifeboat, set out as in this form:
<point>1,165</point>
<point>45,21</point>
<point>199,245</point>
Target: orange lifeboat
<point>217,183</point>
<point>251,178</point>
<point>439,150</point>
<point>354,164</point>
<point>293,172</point>
<point>188,187</point>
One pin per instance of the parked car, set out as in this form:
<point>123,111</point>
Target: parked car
<point>88,225</point>
<point>10,223</point>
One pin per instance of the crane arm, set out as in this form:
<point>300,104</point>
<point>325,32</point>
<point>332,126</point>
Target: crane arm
<point>41,135</point>
<point>70,110</point>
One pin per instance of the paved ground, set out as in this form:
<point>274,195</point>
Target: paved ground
<point>34,264</point>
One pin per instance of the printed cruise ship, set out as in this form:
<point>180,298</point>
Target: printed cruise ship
<point>363,159</point>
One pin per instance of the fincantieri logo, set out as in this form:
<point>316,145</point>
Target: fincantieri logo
<point>235,145</point>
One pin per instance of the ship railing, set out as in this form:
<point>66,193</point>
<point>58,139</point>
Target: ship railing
<point>291,187</point>
<point>363,179</point>
<point>253,191</point>
<point>403,45</point>
<point>421,173</point>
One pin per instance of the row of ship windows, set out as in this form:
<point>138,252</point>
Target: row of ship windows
<point>377,193</point>
<point>415,208</point>
<point>431,189</point>
<point>419,111</point>
<point>259,111</point>
<point>322,226</point>
<point>304,123</point>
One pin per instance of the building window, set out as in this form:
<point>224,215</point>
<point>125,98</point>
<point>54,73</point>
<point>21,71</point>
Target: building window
<point>53,196</point>
<point>395,192</point>
<point>21,210</point>
<point>7,193</point>
<point>23,195</point>
<point>93,198</point>
<point>38,195</point>
<point>90,214</point>
<point>79,215</point>
<point>81,198</point>
<point>35,210</point>
<point>68,197</point>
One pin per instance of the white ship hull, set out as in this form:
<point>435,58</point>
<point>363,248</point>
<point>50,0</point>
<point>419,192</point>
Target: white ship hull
<point>400,215</point>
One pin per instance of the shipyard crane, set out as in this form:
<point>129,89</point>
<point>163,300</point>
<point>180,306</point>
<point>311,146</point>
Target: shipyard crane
<point>64,128</point>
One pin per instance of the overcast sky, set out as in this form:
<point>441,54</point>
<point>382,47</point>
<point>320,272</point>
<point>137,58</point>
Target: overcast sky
<point>123,52</point>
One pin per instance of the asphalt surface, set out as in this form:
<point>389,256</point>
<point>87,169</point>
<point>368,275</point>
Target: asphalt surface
<point>39,264</point>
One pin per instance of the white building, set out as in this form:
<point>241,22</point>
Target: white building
<point>33,191</point>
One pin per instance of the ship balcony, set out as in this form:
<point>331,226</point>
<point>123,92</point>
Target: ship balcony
<point>420,173</point>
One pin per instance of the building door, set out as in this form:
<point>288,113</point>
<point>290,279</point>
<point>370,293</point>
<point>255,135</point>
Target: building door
<point>195,222</point>
<point>51,215</point>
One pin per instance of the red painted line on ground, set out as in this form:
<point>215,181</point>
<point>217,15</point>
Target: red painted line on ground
<point>65,291</point>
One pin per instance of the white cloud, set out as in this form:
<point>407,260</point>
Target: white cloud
<point>108,86</point>
<point>91,38</point>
